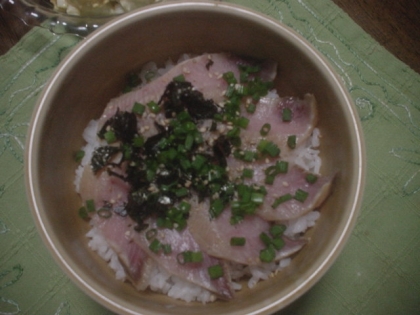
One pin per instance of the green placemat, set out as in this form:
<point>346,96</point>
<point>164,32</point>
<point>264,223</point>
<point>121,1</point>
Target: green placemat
<point>378,271</point>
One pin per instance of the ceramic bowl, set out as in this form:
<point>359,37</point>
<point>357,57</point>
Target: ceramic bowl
<point>94,72</point>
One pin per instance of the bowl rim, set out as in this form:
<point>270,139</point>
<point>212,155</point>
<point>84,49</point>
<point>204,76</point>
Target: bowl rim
<point>90,288</point>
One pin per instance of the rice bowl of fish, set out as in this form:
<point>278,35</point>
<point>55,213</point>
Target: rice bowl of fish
<point>195,157</point>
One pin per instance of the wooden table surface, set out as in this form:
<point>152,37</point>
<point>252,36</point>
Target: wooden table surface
<point>395,24</point>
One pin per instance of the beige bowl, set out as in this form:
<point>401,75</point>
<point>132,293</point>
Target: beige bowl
<point>93,73</point>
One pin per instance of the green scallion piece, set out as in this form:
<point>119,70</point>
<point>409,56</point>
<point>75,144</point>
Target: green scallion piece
<point>268,147</point>
<point>281,199</point>
<point>153,107</point>
<point>282,166</point>
<point>229,77</point>
<point>184,207</point>
<point>190,257</point>
<point>269,180</point>
<point>257,197</point>
<point>167,249</point>
<point>138,108</point>
<point>215,272</point>
<point>179,78</point>
<point>181,192</point>
<point>78,156</point>
<point>265,239</point>
<point>277,230</point>
<point>198,162</point>
<point>311,178</point>
<point>216,208</point>
<point>278,243</point>
<point>110,136</point>
<point>272,149</point>
<point>301,195</point>
<point>155,246</point>
<point>286,115</point>
<point>237,241</point>
<point>251,107</point>
<point>189,141</point>
<point>247,173</point>
<point>249,156</point>
<point>268,254</point>
<point>83,213</point>
<point>138,141</point>
<point>242,122</point>
<point>90,205</point>
<point>291,141</point>
<point>265,129</point>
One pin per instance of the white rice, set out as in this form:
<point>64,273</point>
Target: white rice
<point>160,280</point>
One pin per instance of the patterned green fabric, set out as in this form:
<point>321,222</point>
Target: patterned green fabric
<point>378,271</point>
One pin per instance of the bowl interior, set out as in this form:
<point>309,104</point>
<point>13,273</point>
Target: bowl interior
<point>94,72</point>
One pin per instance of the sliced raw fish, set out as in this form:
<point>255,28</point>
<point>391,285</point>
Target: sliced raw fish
<point>214,234</point>
<point>288,183</point>
<point>182,241</point>
<point>205,73</point>
<point>269,111</point>
<point>103,188</point>
<point>116,230</point>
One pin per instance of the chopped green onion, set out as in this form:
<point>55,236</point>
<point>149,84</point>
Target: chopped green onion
<point>286,114</point>
<point>150,234</point>
<point>216,208</point>
<point>229,77</point>
<point>90,205</point>
<point>281,199</point>
<point>268,147</point>
<point>278,243</point>
<point>179,78</point>
<point>311,178</point>
<point>83,213</point>
<point>267,254</point>
<point>272,149</point>
<point>189,257</point>
<point>301,195</point>
<point>198,162</point>
<point>235,219</point>
<point>277,230</point>
<point>282,166</point>
<point>265,239</point>
<point>184,207</point>
<point>189,141</point>
<point>247,173</point>
<point>269,180</point>
<point>230,91</point>
<point>234,132</point>
<point>291,141</point>
<point>242,122</point>
<point>257,198</point>
<point>78,156</point>
<point>251,107</point>
<point>237,241</point>
<point>155,246</point>
<point>138,108</point>
<point>215,272</point>
<point>167,249</point>
<point>138,141</point>
<point>181,192</point>
<point>104,213</point>
<point>110,136</point>
<point>265,129</point>
<point>153,107</point>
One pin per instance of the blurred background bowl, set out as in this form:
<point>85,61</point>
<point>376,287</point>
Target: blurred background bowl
<point>95,71</point>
